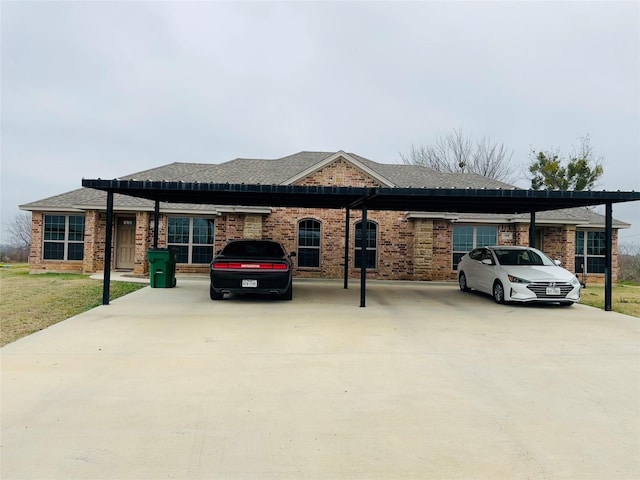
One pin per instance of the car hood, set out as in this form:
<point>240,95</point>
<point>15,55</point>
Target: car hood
<point>540,273</point>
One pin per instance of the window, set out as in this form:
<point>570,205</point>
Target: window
<point>468,237</point>
<point>309,243</point>
<point>191,239</point>
<point>371,239</point>
<point>63,237</point>
<point>590,252</point>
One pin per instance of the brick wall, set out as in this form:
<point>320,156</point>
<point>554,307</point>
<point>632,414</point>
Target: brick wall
<point>339,174</point>
<point>394,241</point>
<point>558,242</point>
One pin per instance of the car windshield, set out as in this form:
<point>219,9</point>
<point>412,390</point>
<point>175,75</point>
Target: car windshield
<point>253,250</point>
<point>521,257</point>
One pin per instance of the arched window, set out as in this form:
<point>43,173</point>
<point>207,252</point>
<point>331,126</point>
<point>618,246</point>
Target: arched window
<point>308,243</point>
<point>372,245</point>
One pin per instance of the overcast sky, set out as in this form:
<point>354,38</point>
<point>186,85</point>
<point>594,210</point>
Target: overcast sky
<point>104,89</point>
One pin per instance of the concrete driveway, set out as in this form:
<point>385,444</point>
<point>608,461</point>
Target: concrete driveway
<point>424,383</point>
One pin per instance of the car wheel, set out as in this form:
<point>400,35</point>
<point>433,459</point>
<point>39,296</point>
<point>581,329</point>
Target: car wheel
<point>462,282</point>
<point>215,295</point>
<point>498,292</point>
<point>288,294</point>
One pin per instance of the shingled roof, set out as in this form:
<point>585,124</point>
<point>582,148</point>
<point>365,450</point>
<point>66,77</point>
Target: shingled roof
<point>284,171</point>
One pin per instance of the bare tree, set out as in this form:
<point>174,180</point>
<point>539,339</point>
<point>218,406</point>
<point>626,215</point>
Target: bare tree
<point>629,262</point>
<point>455,152</point>
<point>20,230</point>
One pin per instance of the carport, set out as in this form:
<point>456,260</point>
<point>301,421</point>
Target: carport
<point>504,201</point>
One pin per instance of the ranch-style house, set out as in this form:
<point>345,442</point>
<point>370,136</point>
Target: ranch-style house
<point>68,230</point>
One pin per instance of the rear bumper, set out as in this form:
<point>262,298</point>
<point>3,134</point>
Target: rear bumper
<point>266,282</point>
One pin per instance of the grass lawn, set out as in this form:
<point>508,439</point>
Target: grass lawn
<point>29,303</point>
<point>625,298</point>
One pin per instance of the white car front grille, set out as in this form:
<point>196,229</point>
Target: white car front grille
<point>543,289</point>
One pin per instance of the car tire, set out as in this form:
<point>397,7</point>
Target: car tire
<point>288,293</point>
<point>462,282</point>
<point>215,295</point>
<point>498,292</point>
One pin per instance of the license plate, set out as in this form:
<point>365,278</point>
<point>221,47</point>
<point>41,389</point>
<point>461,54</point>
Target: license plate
<point>249,283</point>
<point>553,291</point>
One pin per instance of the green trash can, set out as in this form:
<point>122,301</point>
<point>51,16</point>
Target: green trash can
<point>162,267</point>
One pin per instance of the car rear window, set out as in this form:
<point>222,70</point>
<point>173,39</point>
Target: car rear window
<point>253,250</point>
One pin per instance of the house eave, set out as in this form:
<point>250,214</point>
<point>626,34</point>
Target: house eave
<point>215,210</point>
<point>43,208</point>
<point>493,219</point>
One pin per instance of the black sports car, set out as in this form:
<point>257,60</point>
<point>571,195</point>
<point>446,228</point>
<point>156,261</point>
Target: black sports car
<point>252,266</point>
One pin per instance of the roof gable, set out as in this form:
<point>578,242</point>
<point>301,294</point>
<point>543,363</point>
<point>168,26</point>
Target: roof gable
<point>340,156</point>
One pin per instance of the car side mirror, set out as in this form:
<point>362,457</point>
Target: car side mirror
<point>557,262</point>
<point>487,261</point>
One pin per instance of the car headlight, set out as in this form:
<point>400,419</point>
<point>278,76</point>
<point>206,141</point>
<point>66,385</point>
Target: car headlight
<point>575,282</point>
<point>514,279</point>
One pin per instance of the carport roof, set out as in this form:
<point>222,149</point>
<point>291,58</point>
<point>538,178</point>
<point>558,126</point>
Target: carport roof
<point>465,200</point>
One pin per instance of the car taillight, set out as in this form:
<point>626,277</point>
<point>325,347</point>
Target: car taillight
<point>250,266</point>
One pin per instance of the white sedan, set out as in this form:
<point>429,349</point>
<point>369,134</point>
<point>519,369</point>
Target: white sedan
<point>517,274</point>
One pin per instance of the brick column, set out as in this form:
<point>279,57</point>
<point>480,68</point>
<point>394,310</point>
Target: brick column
<point>442,251</point>
<point>422,249</point>
<point>35,252</point>
<point>569,253</point>
<point>522,234</point>
<point>141,265</point>
<point>90,249</point>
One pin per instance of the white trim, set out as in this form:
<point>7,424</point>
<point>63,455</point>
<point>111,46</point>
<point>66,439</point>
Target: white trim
<point>460,218</point>
<point>177,210</point>
<point>332,158</point>
<point>456,217</point>
<point>240,209</point>
<point>435,215</point>
<point>45,210</point>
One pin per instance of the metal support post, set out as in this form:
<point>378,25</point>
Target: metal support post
<point>532,230</point>
<point>608,270</point>
<point>107,250</point>
<point>364,231</point>
<point>346,250</point>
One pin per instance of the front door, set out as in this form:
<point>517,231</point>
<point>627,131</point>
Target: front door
<point>125,242</point>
